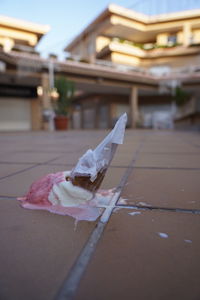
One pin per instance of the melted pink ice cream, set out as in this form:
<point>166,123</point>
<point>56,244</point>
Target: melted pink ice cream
<point>41,192</point>
<point>55,194</point>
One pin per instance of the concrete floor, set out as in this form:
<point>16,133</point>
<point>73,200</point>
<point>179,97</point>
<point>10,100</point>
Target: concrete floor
<point>149,247</point>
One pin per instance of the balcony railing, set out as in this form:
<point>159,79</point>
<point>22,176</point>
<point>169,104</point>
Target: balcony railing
<point>120,67</point>
<point>110,64</point>
<point>146,46</point>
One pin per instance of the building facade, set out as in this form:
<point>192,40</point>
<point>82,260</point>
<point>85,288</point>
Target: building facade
<point>122,62</point>
<point>19,76</point>
<point>121,38</point>
<point>124,36</point>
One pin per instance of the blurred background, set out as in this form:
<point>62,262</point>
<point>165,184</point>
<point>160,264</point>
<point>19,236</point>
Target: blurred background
<point>83,64</point>
<point>67,18</point>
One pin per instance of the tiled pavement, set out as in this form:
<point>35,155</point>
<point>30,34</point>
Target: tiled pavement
<point>147,249</point>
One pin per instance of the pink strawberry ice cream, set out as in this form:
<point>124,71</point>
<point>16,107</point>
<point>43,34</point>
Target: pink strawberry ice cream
<point>54,189</point>
<point>57,195</point>
<point>40,190</point>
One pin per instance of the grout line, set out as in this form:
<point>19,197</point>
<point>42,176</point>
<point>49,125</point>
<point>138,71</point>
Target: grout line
<point>143,207</point>
<point>109,209</point>
<point>170,153</point>
<point>71,283</point>
<point>129,169</point>
<point>15,163</point>
<point>167,168</point>
<point>33,163</point>
<point>2,197</point>
<point>50,160</point>
<point>46,151</point>
<point>59,164</point>
<point>111,166</point>
<point>40,163</point>
<point>18,172</point>
<point>28,168</point>
<point>189,142</point>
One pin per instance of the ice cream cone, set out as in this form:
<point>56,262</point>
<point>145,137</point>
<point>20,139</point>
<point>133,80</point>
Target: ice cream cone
<point>86,183</point>
<point>92,166</point>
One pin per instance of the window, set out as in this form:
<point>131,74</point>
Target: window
<point>172,39</point>
<point>191,39</point>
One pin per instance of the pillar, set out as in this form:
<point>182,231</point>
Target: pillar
<point>134,112</point>
<point>46,101</point>
<point>96,112</point>
<point>187,34</point>
<point>92,48</point>
<point>82,115</point>
<point>36,114</point>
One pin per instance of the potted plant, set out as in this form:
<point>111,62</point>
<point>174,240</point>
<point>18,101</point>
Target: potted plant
<point>181,97</point>
<point>65,89</point>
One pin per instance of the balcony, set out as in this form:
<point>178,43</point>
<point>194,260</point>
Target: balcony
<point>147,50</point>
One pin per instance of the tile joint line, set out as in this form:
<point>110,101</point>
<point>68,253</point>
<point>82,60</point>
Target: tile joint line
<point>71,283</point>
<point>172,209</point>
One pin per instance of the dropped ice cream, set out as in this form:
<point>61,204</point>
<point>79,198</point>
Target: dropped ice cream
<point>74,193</point>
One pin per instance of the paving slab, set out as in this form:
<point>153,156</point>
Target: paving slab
<point>9,169</point>
<point>169,148</point>
<point>37,250</point>
<point>31,156</point>
<point>190,138</point>
<point>122,159</point>
<point>46,148</point>
<point>168,161</point>
<point>55,141</point>
<point>113,177</point>
<point>124,154</point>
<point>145,255</point>
<point>68,158</point>
<point>28,157</point>
<point>142,255</point>
<point>163,188</point>
<point>13,146</point>
<point>18,185</point>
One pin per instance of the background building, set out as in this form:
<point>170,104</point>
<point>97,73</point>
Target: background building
<point>19,76</point>
<point>124,36</point>
<point>122,62</point>
<point>161,45</point>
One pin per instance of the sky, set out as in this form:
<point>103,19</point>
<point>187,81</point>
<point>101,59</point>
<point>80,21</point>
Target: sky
<point>67,18</point>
